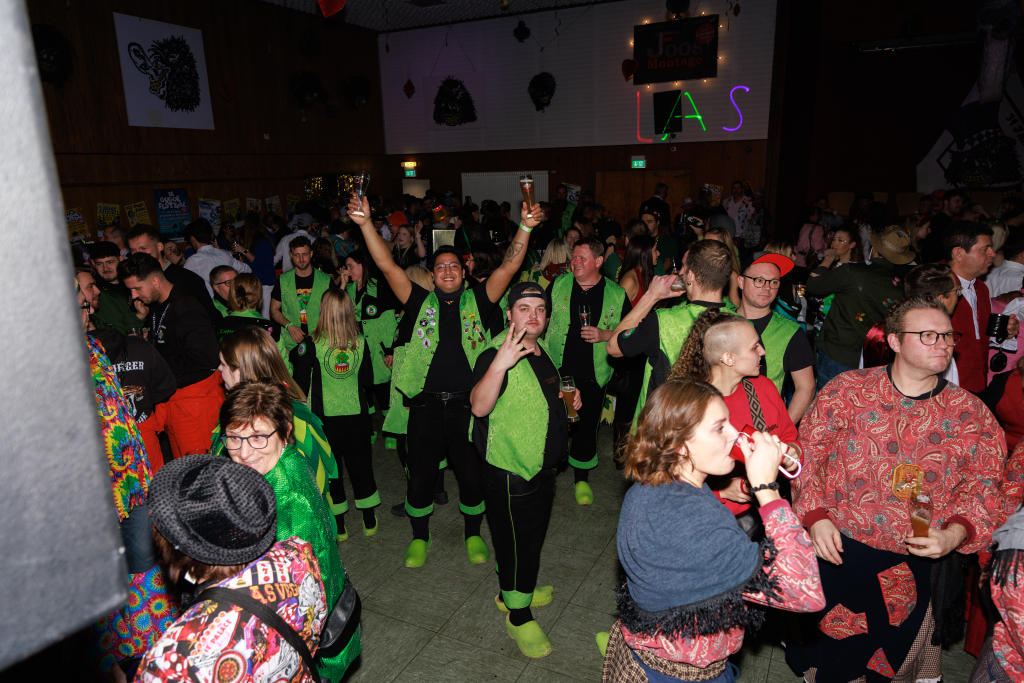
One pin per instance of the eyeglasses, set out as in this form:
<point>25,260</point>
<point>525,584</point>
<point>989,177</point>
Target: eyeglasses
<point>930,337</point>
<point>255,441</point>
<point>448,266</point>
<point>759,282</point>
<point>86,306</point>
<point>958,290</point>
<point>223,282</point>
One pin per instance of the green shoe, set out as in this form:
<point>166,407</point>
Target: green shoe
<point>371,531</point>
<point>542,595</point>
<point>343,536</point>
<point>530,638</point>
<point>373,437</point>
<point>391,443</point>
<point>416,553</point>
<point>602,641</point>
<point>584,494</point>
<point>477,550</point>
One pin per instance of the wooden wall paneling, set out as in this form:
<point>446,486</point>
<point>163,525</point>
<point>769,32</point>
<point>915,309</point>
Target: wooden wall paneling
<point>621,193</point>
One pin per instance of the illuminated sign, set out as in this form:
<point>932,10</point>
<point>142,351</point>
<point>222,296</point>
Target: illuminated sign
<point>668,116</point>
<point>410,173</point>
<point>408,164</point>
<point>676,50</point>
<point>733,100</point>
<point>639,162</point>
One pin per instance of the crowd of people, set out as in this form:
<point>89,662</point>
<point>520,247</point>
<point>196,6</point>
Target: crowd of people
<point>870,362</point>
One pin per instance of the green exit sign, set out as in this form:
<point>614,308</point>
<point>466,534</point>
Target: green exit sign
<point>639,163</point>
<point>410,173</point>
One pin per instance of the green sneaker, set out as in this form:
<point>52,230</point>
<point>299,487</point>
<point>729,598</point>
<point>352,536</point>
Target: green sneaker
<point>391,443</point>
<point>372,530</point>
<point>530,638</point>
<point>584,494</point>
<point>542,595</point>
<point>343,536</point>
<point>416,553</point>
<point>602,641</point>
<point>477,550</point>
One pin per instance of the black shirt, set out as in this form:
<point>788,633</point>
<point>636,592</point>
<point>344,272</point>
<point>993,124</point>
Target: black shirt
<point>557,437</point>
<point>798,354</point>
<point>659,206</point>
<point>192,285</point>
<point>303,289</point>
<point>145,377</point>
<point>181,332</point>
<point>578,355</point>
<point>450,370</point>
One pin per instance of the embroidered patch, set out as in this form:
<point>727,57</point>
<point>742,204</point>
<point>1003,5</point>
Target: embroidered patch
<point>629,333</point>
<point>371,310</point>
<point>841,623</point>
<point>880,664</point>
<point>899,592</point>
<point>302,349</point>
<point>340,363</point>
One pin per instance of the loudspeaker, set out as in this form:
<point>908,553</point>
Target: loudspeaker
<point>60,548</point>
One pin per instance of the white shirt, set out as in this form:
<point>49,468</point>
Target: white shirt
<point>971,295</point>
<point>740,211</point>
<point>281,255</point>
<point>209,257</point>
<point>1005,278</point>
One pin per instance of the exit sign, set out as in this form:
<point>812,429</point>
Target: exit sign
<point>639,162</point>
<point>410,173</point>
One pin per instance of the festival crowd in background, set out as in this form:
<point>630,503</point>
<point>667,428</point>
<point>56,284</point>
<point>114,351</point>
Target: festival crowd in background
<point>823,418</point>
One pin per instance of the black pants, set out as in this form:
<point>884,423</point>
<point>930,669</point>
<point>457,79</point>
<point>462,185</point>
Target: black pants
<point>382,396</point>
<point>518,512</point>
<point>349,436</point>
<point>438,430</point>
<point>625,407</point>
<point>583,449</point>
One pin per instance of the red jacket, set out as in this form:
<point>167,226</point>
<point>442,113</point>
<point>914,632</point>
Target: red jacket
<point>971,354</point>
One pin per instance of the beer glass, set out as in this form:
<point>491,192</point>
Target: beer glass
<point>920,512</point>
<point>359,186</point>
<point>585,315</point>
<point>526,185</point>
<point>568,394</point>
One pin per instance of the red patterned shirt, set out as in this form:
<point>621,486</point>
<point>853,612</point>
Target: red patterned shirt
<point>799,587</point>
<point>860,429</point>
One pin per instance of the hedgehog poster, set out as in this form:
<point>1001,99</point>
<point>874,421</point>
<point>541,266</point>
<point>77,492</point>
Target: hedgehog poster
<point>454,101</point>
<point>163,68</point>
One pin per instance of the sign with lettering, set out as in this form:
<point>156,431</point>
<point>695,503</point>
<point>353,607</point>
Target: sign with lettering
<point>676,50</point>
<point>107,215</point>
<point>137,213</point>
<point>75,221</point>
<point>210,210</point>
<point>172,211</point>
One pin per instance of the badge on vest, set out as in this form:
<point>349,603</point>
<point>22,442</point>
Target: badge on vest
<point>340,364</point>
<point>420,333</point>
<point>371,310</point>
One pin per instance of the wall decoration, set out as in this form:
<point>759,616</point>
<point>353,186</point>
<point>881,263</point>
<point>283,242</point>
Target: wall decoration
<point>107,215</point>
<point>356,90</point>
<point>542,89</point>
<point>54,55</point>
<point>274,205</point>
<point>309,46</point>
<point>409,89</point>
<point>163,68</point>
<point>292,201</point>
<point>172,211</point>
<point>629,67</point>
<point>982,147</point>
<point>329,7</point>
<point>253,205</point>
<point>74,219</point>
<point>229,211</point>
<point>210,210</point>
<point>307,88</point>
<point>676,50</point>
<point>457,101</point>
<point>521,32</point>
<point>137,213</point>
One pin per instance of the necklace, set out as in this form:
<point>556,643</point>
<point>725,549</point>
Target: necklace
<point>158,328</point>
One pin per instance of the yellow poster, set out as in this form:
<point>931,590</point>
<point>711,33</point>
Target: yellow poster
<point>229,210</point>
<point>137,213</point>
<point>292,201</point>
<point>274,204</point>
<point>107,215</point>
<point>253,205</point>
<point>75,221</point>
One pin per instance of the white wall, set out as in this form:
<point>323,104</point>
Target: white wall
<point>593,105</point>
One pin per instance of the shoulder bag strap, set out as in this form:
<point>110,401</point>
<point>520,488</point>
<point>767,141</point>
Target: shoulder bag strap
<point>268,616</point>
<point>755,405</point>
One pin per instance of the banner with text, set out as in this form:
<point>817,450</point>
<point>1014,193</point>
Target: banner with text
<point>107,215</point>
<point>172,211</point>
<point>676,50</point>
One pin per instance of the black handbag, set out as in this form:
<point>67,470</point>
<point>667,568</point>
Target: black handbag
<point>341,623</point>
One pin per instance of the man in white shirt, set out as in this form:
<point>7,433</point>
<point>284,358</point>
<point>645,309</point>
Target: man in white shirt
<point>1008,277</point>
<point>199,234</point>
<point>304,225</point>
<point>115,234</point>
<point>740,209</point>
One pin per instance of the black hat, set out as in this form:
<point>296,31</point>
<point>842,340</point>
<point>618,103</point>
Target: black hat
<point>213,510</point>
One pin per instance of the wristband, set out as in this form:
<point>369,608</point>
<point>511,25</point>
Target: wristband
<point>524,228</point>
<point>774,486</point>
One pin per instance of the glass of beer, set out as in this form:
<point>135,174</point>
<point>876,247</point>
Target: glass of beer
<point>568,394</point>
<point>585,315</point>
<point>920,512</point>
<point>529,196</point>
<point>359,187</point>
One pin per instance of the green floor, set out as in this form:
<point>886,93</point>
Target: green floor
<point>438,623</point>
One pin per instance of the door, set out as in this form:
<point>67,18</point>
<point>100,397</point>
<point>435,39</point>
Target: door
<point>622,192</point>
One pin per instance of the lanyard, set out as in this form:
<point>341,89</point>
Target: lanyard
<point>158,328</point>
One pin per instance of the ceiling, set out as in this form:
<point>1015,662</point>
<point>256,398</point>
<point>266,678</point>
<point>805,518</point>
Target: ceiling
<point>398,15</point>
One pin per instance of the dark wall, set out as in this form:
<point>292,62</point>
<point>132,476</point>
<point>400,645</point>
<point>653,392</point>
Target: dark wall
<point>254,46</point>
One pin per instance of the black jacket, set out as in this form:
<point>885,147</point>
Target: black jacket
<point>193,285</point>
<point>145,377</point>
<point>181,331</point>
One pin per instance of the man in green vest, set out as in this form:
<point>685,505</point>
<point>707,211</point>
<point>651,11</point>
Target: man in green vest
<point>445,335</point>
<point>707,269</point>
<point>295,300</point>
<point>585,308</point>
<point>787,351</point>
<point>220,282</point>
<point>520,431</point>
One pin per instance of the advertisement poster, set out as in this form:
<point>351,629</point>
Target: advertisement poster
<point>172,211</point>
<point>229,210</point>
<point>163,70</point>
<point>107,215</point>
<point>137,213</point>
<point>274,205</point>
<point>676,50</point>
<point>75,221</point>
<point>210,210</point>
<point>292,201</point>
<point>253,205</point>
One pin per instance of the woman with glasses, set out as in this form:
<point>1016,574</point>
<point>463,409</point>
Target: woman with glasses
<point>256,428</point>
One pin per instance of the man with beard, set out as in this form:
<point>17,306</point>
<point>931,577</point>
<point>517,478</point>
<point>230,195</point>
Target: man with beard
<point>146,239</point>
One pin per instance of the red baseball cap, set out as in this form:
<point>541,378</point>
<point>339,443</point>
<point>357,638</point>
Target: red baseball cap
<point>783,263</point>
<point>397,219</point>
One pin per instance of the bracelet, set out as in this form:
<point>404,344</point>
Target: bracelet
<point>524,228</point>
<point>774,486</point>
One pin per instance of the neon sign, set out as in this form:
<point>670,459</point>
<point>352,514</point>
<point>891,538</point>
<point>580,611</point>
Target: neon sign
<point>638,120</point>
<point>731,99</point>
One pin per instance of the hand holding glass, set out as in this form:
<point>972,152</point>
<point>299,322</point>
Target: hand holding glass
<point>359,186</point>
<point>569,395</point>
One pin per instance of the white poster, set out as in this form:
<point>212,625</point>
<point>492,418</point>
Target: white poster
<point>982,146</point>
<point>163,68</point>
<point>454,101</point>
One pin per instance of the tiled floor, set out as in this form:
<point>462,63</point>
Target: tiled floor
<point>439,623</point>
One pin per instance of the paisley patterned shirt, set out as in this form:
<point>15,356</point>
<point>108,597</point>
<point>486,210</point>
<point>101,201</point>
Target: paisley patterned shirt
<point>862,439</point>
